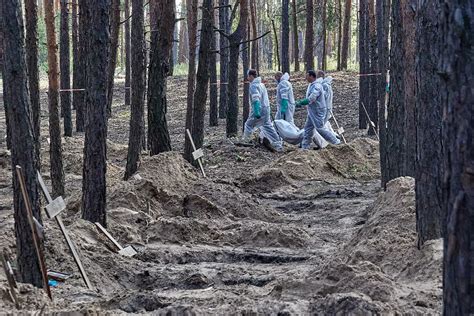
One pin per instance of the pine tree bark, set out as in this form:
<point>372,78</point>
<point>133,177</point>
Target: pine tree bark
<point>457,71</point>
<point>346,34</point>
<point>401,133</point>
<point>213,97</point>
<point>163,19</point>
<point>191,6</point>
<point>200,94</point>
<point>372,106</point>
<point>324,35</point>
<point>224,25</point>
<point>277,46</point>
<point>255,60</point>
<point>309,37</point>
<point>285,36</point>
<point>339,33</point>
<point>383,19</point>
<point>245,67</point>
<point>296,49</point>
<point>95,145</point>
<point>31,15</point>
<point>75,48</point>
<point>429,168</point>
<point>364,63</point>
<point>138,84</point>
<point>80,72</point>
<point>127,52</point>
<point>55,151</point>
<point>183,37</point>
<point>113,51</point>
<point>233,93</point>
<point>23,151</point>
<point>64,60</point>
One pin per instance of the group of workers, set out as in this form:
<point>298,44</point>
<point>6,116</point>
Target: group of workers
<point>318,101</point>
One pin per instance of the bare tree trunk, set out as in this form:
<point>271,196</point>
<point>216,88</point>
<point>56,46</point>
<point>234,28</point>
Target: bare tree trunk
<point>55,151</point>
<point>163,16</point>
<point>364,62</point>
<point>200,94</point>
<point>346,35</point>
<point>429,168</point>
<point>296,50</point>
<point>324,31</point>
<point>372,106</point>
<point>213,97</point>
<point>224,25</point>
<point>23,151</point>
<point>383,19</point>
<point>80,71</point>
<point>339,33</point>
<point>233,92</point>
<point>191,6</point>
<point>127,52</point>
<point>309,37</point>
<point>277,46</point>
<point>75,48</point>
<point>285,36</point>
<point>95,145</point>
<point>457,69</point>
<point>31,15</point>
<point>255,51</point>
<point>183,37</point>
<point>64,58</point>
<point>113,50</point>
<point>138,86</point>
<point>245,66</point>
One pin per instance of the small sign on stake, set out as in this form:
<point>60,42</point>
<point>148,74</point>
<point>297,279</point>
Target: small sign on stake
<point>197,153</point>
<point>128,251</point>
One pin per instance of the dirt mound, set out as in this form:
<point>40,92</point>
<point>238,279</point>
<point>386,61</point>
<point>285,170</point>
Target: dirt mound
<point>381,267</point>
<point>358,160</point>
<point>265,181</point>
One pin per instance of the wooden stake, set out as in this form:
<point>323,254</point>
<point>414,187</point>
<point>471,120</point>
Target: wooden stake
<point>370,122</point>
<point>339,130</point>
<point>39,252</point>
<point>199,160</point>
<point>60,223</point>
<point>10,278</point>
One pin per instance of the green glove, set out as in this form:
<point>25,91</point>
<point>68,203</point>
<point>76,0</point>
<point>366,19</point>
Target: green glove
<point>284,106</point>
<point>256,109</point>
<point>302,102</point>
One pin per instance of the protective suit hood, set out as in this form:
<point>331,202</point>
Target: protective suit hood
<point>328,80</point>
<point>285,77</point>
<point>257,80</point>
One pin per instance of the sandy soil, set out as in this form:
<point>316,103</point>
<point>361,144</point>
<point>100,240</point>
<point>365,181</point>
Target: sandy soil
<point>299,232</point>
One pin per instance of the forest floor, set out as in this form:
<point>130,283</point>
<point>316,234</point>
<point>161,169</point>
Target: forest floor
<point>292,233</point>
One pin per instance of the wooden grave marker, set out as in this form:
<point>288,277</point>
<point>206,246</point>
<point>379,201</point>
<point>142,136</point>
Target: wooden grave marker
<point>128,251</point>
<point>197,153</point>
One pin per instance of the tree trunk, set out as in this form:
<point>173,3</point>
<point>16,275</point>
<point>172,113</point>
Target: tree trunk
<point>191,6</point>
<point>127,52</point>
<point>285,36</point>
<point>75,48</point>
<point>346,35</point>
<point>324,31</point>
<point>255,52</point>
<point>277,47</point>
<point>113,50</point>
<point>457,69</point>
<point>372,106</point>
<point>339,33</point>
<point>224,25</point>
<point>55,152</point>
<point>213,97</point>
<point>95,145</point>
<point>79,79</point>
<point>296,50</point>
<point>31,15</point>
<point>183,37</point>
<point>200,94</point>
<point>23,151</point>
<point>174,50</point>
<point>383,19</point>
<point>429,168</point>
<point>400,120</point>
<point>138,85</point>
<point>245,66</point>
<point>163,16</point>
<point>64,60</point>
<point>309,37</point>
<point>233,92</point>
<point>364,63</point>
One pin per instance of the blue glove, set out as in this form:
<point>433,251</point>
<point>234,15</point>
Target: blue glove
<point>284,106</point>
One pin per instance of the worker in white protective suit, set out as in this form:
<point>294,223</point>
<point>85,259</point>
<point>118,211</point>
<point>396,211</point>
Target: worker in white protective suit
<point>284,98</point>
<point>318,112</point>
<point>259,116</point>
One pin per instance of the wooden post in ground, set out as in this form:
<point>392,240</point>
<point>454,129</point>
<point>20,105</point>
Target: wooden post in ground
<point>197,153</point>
